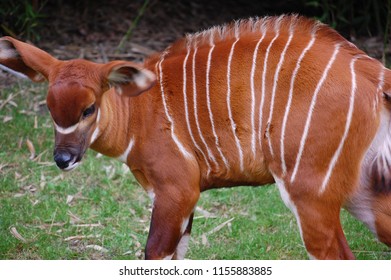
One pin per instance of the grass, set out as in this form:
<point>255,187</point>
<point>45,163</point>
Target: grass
<point>98,211</point>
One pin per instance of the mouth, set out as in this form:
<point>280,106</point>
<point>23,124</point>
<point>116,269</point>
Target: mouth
<point>72,165</point>
<point>66,161</point>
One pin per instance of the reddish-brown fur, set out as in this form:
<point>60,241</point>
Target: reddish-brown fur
<point>184,135</point>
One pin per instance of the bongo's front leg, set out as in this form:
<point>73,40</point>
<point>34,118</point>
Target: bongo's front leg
<point>170,226</point>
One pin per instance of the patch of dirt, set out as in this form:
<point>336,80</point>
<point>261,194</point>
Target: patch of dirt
<point>95,29</point>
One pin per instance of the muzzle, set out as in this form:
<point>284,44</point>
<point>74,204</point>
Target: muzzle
<point>65,159</point>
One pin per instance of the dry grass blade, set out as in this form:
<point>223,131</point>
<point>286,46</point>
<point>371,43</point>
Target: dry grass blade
<point>17,235</point>
<point>73,218</point>
<point>88,225</point>
<point>7,119</point>
<point>3,166</point>
<point>35,122</point>
<point>46,226</point>
<point>52,223</point>
<point>219,227</point>
<point>204,240</point>
<point>31,148</point>
<point>9,100</point>
<point>79,237</point>
<point>97,248</point>
<point>204,213</point>
<point>69,199</point>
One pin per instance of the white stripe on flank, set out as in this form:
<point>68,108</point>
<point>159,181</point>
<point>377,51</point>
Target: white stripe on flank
<point>233,124</point>
<point>67,130</point>
<point>311,110</point>
<point>187,110</point>
<point>210,108</point>
<point>195,108</point>
<point>252,86</point>
<point>124,156</point>
<point>169,118</point>
<point>288,105</point>
<point>347,126</point>
<point>264,84</point>
<point>275,82</point>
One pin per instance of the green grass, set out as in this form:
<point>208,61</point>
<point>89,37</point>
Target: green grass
<point>98,211</point>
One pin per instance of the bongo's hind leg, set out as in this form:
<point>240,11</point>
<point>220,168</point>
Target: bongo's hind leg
<point>319,223</point>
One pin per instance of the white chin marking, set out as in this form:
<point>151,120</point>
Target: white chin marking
<point>71,166</point>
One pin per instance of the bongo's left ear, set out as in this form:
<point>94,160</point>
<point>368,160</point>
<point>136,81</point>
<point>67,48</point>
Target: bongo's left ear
<point>129,79</point>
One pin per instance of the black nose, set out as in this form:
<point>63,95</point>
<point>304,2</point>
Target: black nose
<point>62,159</point>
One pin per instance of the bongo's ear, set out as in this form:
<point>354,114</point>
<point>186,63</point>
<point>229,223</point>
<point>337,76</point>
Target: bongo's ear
<point>25,59</point>
<point>128,79</point>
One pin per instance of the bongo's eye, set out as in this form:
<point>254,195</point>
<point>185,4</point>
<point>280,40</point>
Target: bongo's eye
<point>89,111</point>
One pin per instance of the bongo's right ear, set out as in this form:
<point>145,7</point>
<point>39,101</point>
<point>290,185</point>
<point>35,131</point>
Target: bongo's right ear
<point>26,59</point>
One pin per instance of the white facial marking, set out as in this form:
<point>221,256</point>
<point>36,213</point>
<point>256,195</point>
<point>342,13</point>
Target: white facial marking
<point>98,116</point>
<point>94,135</point>
<point>66,130</point>
<point>96,132</point>
<point>71,165</point>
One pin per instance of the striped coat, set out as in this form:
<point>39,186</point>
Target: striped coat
<point>278,99</point>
